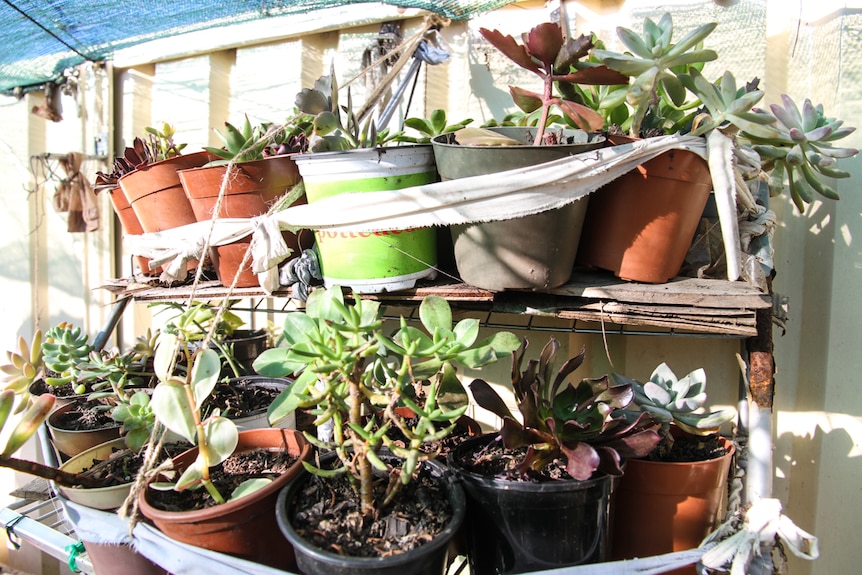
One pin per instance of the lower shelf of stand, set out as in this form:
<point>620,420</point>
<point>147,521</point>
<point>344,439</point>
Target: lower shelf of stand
<point>683,305</point>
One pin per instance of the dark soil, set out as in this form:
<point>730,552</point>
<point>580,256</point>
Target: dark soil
<point>495,460</point>
<point>237,400</point>
<point>85,417</point>
<point>226,476</point>
<point>688,448</point>
<point>326,513</point>
<point>122,465</point>
<point>39,387</point>
<point>461,432</point>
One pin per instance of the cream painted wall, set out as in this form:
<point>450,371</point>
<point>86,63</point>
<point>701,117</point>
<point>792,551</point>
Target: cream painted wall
<point>808,49</point>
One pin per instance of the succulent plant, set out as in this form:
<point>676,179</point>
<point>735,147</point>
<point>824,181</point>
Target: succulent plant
<point>137,417</point>
<point>655,63</point>
<point>161,143</point>
<point>355,375</point>
<point>65,348</point>
<point>158,146</point>
<point>25,365</point>
<point>802,153</point>
<point>554,59</point>
<point>586,423</point>
<point>176,403</point>
<point>334,127</point>
<point>678,400</point>
<point>433,125</point>
<point>247,143</point>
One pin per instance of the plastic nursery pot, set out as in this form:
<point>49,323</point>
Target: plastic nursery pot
<point>258,418</point>
<point>71,442</point>
<point>104,498</point>
<point>250,190</point>
<point>429,559</point>
<point>533,252</point>
<point>247,527</point>
<point>641,225</point>
<point>664,507</point>
<point>519,526</point>
<point>379,261</point>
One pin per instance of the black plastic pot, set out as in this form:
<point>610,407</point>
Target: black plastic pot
<point>429,559</point>
<point>518,527</point>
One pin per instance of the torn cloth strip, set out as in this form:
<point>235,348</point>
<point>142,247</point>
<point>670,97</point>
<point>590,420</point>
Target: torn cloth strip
<point>493,197</point>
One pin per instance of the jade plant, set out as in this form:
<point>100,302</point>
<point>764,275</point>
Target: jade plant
<point>584,424</point>
<point>677,401</point>
<point>553,58</point>
<point>353,373</point>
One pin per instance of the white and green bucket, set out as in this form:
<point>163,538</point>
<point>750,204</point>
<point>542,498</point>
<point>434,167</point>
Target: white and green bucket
<point>372,262</point>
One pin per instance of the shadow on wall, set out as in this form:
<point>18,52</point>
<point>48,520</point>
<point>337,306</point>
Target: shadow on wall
<point>822,454</point>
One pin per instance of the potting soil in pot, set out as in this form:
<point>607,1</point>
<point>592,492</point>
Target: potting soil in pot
<point>226,476</point>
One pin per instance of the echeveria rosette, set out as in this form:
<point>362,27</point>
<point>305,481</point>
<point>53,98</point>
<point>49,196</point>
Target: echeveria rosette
<point>680,401</point>
<point>802,153</point>
<point>551,57</point>
<point>585,424</point>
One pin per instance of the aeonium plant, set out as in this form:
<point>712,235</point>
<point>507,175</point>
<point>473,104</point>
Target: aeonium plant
<point>584,424</point>
<point>355,375</point>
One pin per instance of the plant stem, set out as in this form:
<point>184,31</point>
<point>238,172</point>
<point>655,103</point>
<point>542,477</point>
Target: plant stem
<point>50,473</point>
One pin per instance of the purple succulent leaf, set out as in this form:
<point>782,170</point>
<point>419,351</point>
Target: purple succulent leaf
<point>585,118</point>
<point>797,135</point>
<point>609,461</point>
<point>810,115</point>
<point>573,50</point>
<point>489,399</point>
<point>544,42</point>
<point>633,445</point>
<point>581,460</point>
<point>567,368</point>
<point>837,152</point>
<point>594,76</point>
<point>516,435</point>
<point>788,114</point>
<point>838,133</point>
<point>818,134</point>
<point>510,47</point>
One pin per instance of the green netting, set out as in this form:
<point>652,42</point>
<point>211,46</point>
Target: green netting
<point>41,38</point>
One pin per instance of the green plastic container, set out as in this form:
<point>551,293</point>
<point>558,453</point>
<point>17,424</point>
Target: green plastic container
<point>372,262</point>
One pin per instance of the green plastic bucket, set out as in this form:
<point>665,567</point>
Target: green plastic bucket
<point>372,262</point>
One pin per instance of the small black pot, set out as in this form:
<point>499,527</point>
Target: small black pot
<point>519,526</point>
<point>429,559</point>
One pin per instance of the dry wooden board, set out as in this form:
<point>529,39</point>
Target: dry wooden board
<point>689,291</point>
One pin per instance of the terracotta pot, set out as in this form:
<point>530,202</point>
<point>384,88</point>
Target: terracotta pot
<point>532,252</point>
<point>130,224</point>
<point>71,442</point>
<point>251,189</point>
<point>156,194</point>
<point>641,225</point>
<point>665,507</point>
<point>244,528</point>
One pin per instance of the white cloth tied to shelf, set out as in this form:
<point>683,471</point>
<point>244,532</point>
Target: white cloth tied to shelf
<point>501,196</point>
